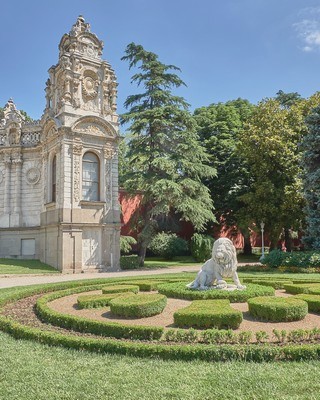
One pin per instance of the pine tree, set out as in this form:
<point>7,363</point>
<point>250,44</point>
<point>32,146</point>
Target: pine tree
<point>311,179</point>
<point>166,161</point>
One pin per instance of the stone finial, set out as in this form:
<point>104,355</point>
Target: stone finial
<point>80,26</point>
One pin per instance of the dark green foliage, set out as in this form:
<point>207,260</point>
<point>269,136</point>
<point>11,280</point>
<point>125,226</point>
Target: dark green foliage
<point>168,245</point>
<point>304,259</point>
<point>129,262</point>
<point>95,300</point>
<point>208,314</point>
<point>313,301</point>
<point>120,289</point>
<point>278,308</point>
<point>140,305</point>
<point>275,258</point>
<point>311,179</point>
<point>201,247</point>
<point>165,159</point>
<point>218,126</point>
<point>126,243</point>
<point>180,291</point>
<point>297,288</point>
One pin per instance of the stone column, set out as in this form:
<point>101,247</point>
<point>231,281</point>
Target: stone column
<point>8,164</point>
<point>17,204</point>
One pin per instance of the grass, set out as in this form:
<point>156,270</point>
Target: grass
<point>188,261</point>
<point>31,371</point>
<point>12,266</point>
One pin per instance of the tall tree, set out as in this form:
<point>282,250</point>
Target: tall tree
<point>270,144</point>
<point>166,160</point>
<point>218,126</point>
<point>311,179</point>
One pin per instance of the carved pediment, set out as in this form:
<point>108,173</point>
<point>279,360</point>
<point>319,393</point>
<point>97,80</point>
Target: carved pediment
<point>94,126</point>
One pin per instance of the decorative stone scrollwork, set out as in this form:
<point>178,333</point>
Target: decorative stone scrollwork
<point>109,151</point>
<point>76,177</point>
<point>77,147</point>
<point>1,176</point>
<point>33,175</point>
<point>30,139</point>
<point>90,85</point>
<point>3,139</point>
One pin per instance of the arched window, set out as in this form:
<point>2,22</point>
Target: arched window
<point>54,179</point>
<point>90,177</point>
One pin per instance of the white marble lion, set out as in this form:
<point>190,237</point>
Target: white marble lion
<point>223,264</point>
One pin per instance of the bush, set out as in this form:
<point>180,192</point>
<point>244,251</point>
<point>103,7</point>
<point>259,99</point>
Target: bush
<point>129,262</point>
<point>208,314</point>
<point>278,309</point>
<point>287,261</point>
<point>276,284</point>
<point>313,301</point>
<point>201,247</point>
<point>87,325</point>
<point>146,285</point>
<point>274,259</point>
<point>168,245</point>
<point>120,289</point>
<point>126,243</point>
<point>95,300</point>
<point>180,291</point>
<point>296,288</point>
<point>140,305</point>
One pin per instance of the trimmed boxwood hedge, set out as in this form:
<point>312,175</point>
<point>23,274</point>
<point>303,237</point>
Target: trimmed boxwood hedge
<point>275,283</point>
<point>208,314</point>
<point>139,305</point>
<point>87,325</point>
<point>278,309</point>
<point>120,288</point>
<point>146,285</point>
<point>96,300</point>
<point>180,291</point>
<point>313,301</point>
<point>302,288</point>
<point>211,353</point>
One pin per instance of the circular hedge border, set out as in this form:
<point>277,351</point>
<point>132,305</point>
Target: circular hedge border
<point>120,289</point>
<point>278,309</point>
<point>208,352</point>
<point>96,300</point>
<point>180,291</point>
<point>138,305</point>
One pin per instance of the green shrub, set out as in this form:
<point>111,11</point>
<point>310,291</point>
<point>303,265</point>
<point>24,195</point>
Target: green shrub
<point>261,336</point>
<point>278,309</point>
<point>201,247</point>
<point>120,289</point>
<point>313,301</point>
<point>302,259</point>
<point>168,245</point>
<point>146,285</point>
<point>87,325</point>
<point>276,284</point>
<point>301,287</point>
<point>180,291</point>
<point>129,262</point>
<point>208,314</point>
<point>126,243</point>
<point>140,305</point>
<point>95,300</point>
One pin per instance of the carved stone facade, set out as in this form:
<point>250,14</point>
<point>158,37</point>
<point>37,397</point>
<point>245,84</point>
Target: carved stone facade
<point>59,176</point>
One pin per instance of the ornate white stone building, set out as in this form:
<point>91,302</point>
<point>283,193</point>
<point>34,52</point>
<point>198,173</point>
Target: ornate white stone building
<point>59,175</point>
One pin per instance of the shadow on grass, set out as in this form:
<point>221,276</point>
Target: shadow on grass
<point>13,266</point>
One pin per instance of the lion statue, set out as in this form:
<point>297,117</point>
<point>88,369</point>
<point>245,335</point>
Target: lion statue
<point>223,264</point>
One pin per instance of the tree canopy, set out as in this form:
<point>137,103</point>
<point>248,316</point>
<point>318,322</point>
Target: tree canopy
<point>166,161</point>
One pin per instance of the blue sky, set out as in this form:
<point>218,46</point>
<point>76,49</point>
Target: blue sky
<point>225,48</point>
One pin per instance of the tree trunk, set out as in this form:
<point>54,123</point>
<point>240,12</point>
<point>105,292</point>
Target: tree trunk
<point>274,239</point>
<point>287,239</point>
<point>247,248</point>
<point>142,253</point>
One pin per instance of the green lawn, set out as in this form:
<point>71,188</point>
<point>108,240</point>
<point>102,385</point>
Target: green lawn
<point>31,371</point>
<point>13,266</point>
<point>187,261</point>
